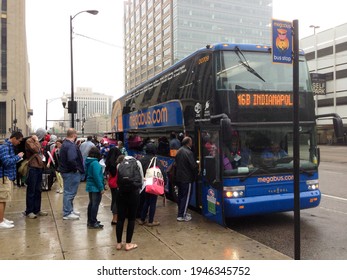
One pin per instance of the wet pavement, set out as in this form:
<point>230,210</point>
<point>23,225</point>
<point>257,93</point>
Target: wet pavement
<point>52,238</point>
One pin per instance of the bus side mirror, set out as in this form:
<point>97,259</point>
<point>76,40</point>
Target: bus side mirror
<point>338,126</point>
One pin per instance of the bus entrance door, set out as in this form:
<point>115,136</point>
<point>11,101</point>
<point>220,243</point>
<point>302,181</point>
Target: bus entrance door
<point>212,189</point>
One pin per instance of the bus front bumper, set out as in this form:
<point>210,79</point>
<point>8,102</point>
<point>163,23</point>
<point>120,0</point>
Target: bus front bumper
<point>246,206</point>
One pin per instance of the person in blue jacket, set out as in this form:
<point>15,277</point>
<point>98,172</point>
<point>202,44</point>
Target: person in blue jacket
<point>95,186</point>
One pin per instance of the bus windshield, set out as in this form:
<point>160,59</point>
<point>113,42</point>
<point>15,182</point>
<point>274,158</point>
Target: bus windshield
<point>254,71</point>
<point>267,147</point>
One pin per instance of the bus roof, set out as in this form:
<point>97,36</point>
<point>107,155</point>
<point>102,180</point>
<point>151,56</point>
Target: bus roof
<point>212,47</point>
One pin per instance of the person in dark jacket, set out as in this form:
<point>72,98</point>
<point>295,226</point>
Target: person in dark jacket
<point>71,168</point>
<point>150,200</point>
<point>186,171</point>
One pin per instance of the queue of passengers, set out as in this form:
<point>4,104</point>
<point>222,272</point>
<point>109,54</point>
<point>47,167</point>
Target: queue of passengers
<point>73,163</point>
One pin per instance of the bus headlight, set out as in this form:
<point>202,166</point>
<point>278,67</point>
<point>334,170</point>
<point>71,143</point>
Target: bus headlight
<point>312,185</point>
<point>234,192</point>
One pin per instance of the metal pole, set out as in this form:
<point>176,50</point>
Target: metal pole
<point>296,140</point>
<point>72,84</point>
<point>11,128</point>
<point>73,106</point>
<point>46,112</point>
<point>15,115</point>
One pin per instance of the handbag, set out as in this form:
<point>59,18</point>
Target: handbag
<point>154,181</point>
<point>112,181</point>
<point>23,169</point>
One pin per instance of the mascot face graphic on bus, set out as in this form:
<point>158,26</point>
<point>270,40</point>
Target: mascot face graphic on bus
<point>282,42</point>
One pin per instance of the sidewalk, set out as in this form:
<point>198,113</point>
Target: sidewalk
<point>52,238</point>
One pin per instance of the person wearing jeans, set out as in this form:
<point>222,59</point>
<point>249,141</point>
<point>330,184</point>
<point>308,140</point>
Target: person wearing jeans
<point>71,168</point>
<point>33,150</point>
<point>71,183</point>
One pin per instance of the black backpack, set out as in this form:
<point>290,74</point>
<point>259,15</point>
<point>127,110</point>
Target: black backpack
<point>129,176</point>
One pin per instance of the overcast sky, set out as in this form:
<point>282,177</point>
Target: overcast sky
<point>98,60</point>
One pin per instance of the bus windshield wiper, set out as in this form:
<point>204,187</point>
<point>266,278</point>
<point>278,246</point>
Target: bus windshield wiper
<point>245,64</point>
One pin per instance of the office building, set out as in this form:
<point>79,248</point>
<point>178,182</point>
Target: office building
<point>326,53</point>
<point>15,112</point>
<point>89,105</point>
<point>160,33</point>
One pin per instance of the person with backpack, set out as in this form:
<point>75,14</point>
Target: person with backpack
<point>8,160</point>
<point>150,200</point>
<point>129,181</point>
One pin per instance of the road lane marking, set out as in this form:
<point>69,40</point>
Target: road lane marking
<point>332,210</point>
<point>335,197</point>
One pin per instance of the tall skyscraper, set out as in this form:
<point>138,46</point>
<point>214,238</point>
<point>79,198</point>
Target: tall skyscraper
<point>160,33</point>
<point>15,109</point>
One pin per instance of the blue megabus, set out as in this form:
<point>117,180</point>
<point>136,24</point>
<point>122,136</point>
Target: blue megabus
<point>238,108</point>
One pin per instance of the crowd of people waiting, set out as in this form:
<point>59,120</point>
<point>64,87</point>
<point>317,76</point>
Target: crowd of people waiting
<point>69,163</point>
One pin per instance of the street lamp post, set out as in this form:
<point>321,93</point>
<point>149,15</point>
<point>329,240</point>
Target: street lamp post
<point>73,104</point>
<point>13,117</point>
<point>83,118</point>
<point>316,60</point>
<point>47,102</point>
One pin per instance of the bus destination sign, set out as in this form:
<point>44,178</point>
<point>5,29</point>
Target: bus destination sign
<point>265,100</point>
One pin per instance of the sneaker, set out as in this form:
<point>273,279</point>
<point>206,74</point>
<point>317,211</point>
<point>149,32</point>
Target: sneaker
<point>184,219</point>
<point>89,224</point>
<point>42,214</point>
<point>8,221</point>
<point>77,213</point>
<point>72,216</point>
<point>3,224</point>
<point>31,216</point>
<point>155,223</point>
<point>188,215</point>
<point>140,222</point>
<point>96,226</point>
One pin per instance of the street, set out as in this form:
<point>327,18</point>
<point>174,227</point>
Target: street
<point>323,229</point>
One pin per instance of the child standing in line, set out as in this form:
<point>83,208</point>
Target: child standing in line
<point>95,186</point>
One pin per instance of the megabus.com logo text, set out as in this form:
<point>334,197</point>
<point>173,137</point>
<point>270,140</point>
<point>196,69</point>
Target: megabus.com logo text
<point>273,179</point>
<point>151,117</point>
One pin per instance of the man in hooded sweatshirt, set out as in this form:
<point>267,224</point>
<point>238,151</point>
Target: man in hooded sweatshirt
<point>36,165</point>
